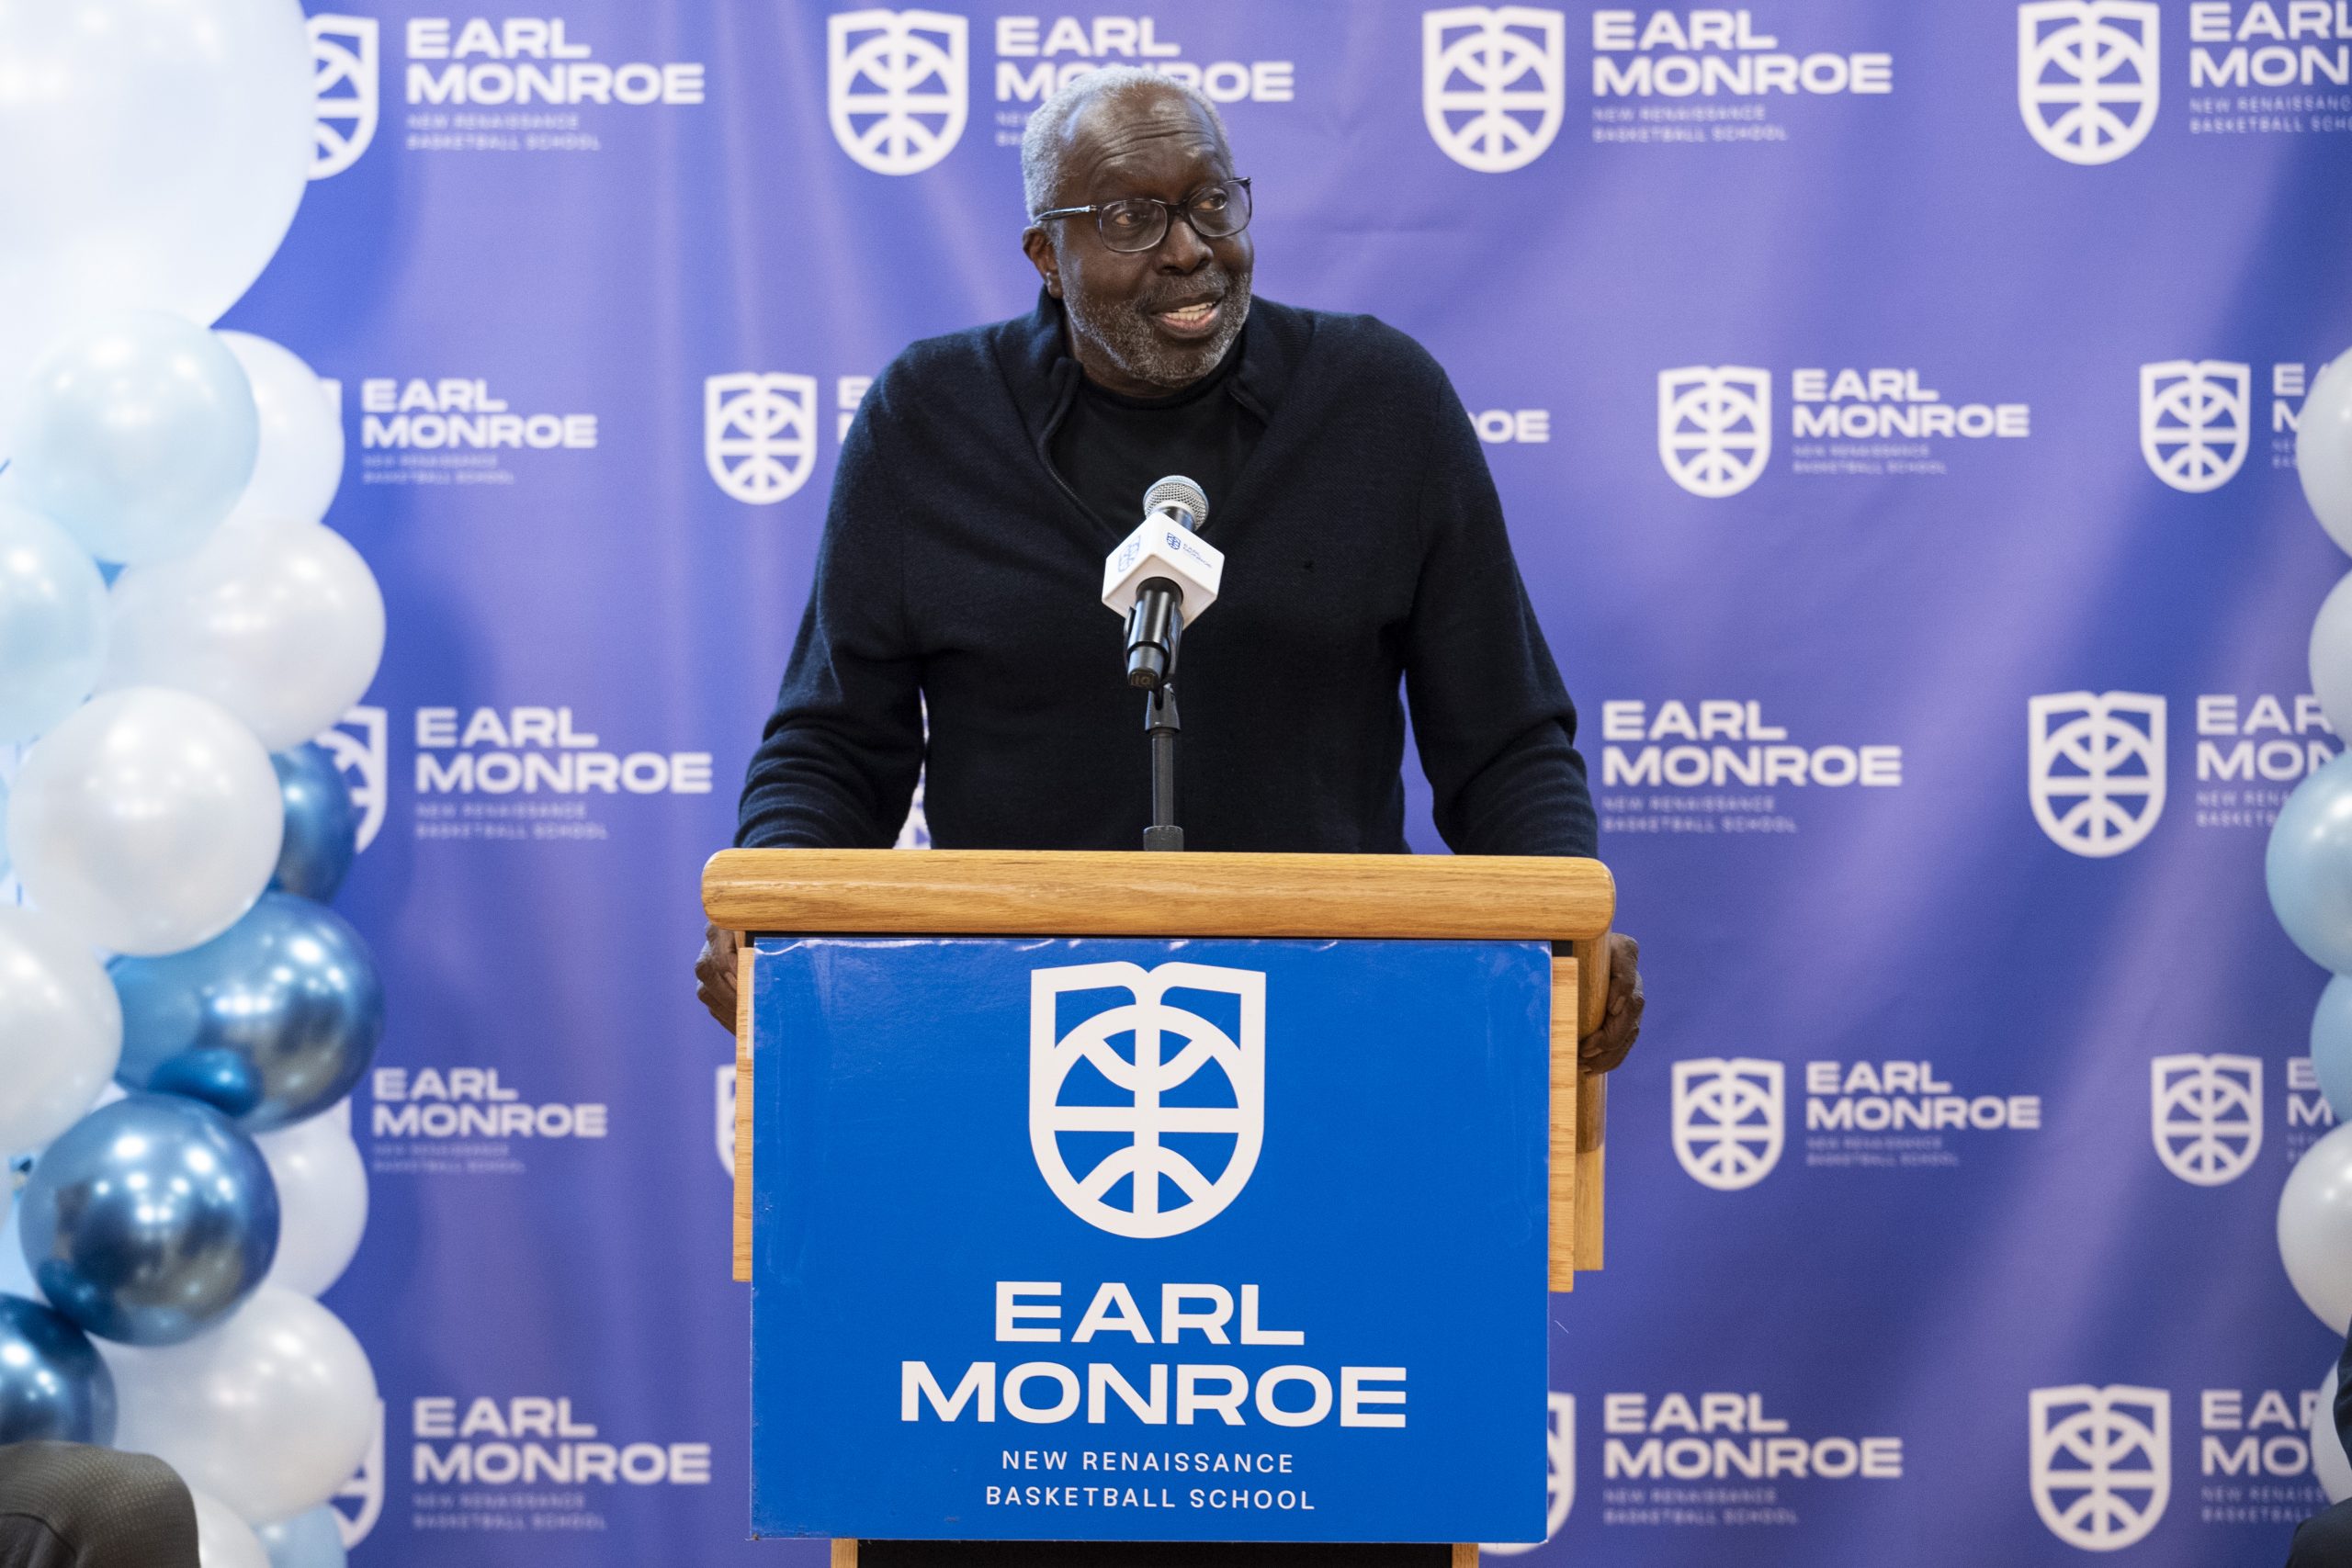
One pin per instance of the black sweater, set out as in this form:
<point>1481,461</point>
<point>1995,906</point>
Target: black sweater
<point>1363,542</point>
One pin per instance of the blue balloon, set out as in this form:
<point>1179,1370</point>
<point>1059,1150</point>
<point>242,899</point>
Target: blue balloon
<point>137,435</point>
<point>2332,1046</point>
<point>307,1541</point>
<point>269,1022</point>
<point>149,1220</point>
<point>321,825</point>
<point>2309,865</point>
<point>52,1384</point>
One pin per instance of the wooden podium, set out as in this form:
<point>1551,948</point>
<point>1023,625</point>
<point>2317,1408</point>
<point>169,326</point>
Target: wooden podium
<point>946,893</point>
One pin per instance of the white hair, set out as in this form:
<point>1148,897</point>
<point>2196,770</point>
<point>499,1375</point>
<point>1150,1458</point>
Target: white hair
<point>1044,146</point>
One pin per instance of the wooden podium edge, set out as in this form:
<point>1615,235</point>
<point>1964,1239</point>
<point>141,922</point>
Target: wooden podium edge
<point>741,1241</point>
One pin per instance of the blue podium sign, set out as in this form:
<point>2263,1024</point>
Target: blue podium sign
<point>1117,1239</point>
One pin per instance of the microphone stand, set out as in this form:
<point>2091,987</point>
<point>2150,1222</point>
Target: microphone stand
<point>1161,723</point>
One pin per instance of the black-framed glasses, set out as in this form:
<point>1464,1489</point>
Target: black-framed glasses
<point>1134,223</point>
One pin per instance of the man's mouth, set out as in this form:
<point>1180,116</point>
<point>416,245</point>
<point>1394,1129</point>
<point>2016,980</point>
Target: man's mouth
<point>1194,320</point>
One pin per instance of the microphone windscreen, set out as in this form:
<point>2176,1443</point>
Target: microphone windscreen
<point>1177,491</point>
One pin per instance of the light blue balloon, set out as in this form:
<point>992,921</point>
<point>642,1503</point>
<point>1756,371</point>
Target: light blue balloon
<point>2332,1046</point>
<point>3,829</point>
<point>52,624</point>
<point>137,435</point>
<point>53,1387</point>
<point>150,1220</point>
<point>2309,865</point>
<point>269,1022</point>
<point>307,1541</point>
<point>321,825</point>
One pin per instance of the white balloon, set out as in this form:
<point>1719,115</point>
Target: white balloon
<point>222,1540</point>
<point>52,624</point>
<point>2330,1467</point>
<point>322,1200</point>
<point>155,152</point>
<point>147,822</point>
<point>2331,656</point>
<point>279,622</point>
<point>300,461</point>
<point>2315,1228</point>
<point>271,1411</point>
<point>2324,448</point>
<point>61,1029</point>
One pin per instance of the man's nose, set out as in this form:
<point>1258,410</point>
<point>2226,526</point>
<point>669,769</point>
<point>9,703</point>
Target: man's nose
<point>1182,249</point>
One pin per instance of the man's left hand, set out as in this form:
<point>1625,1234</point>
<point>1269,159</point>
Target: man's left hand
<point>1621,1024</point>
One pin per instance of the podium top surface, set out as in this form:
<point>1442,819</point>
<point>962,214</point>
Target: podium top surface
<point>1095,893</point>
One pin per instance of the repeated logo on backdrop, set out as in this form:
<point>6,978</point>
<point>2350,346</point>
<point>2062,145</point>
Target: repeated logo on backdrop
<point>2101,1463</point>
<point>2097,763</point>
<point>2087,75</point>
<point>2196,417</point>
<point>1493,82</point>
<point>1730,1118</point>
<point>2205,1114</point>
<point>1715,426</point>
<point>898,87</point>
<point>345,71</point>
<point>759,433</point>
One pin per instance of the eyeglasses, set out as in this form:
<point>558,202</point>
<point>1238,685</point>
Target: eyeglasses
<point>1136,223</point>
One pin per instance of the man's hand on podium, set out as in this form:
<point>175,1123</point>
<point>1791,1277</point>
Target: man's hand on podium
<point>1600,1051</point>
<point>715,981</point>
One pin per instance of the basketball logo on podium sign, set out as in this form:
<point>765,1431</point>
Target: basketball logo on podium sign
<point>2086,76</point>
<point>898,87</point>
<point>1559,1473</point>
<point>2195,418</point>
<point>2205,1114</point>
<point>2101,1463</point>
<point>344,73</point>
<point>1715,426</point>
<point>2095,768</point>
<point>1164,1111</point>
<point>1728,1118</point>
<point>759,433</point>
<point>1503,69</point>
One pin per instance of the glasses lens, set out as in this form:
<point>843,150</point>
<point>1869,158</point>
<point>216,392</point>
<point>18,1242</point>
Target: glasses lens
<point>1221,210</point>
<point>1133,225</point>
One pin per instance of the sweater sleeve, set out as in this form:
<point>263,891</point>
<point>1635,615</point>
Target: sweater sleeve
<point>838,759</point>
<point>1496,729</point>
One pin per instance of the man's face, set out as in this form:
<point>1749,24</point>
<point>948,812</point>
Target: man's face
<point>1148,321</point>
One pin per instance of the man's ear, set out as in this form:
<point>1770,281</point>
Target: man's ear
<point>1040,251</point>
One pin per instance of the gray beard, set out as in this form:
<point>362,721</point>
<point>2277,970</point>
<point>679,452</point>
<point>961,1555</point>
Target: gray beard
<point>1126,337</point>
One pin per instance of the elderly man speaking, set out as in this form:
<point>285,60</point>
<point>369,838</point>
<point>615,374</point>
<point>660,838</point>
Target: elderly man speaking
<point>989,472</point>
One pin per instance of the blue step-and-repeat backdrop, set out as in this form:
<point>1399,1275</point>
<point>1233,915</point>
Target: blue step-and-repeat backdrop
<point>1894,405</point>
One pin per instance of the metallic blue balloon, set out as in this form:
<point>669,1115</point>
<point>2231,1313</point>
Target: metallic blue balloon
<point>321,825</point>
<point>269,1022</point>
<point>52,1384</point>
<point>149,1220</point>
<point>2309,865</point>
<point>313,1540</point>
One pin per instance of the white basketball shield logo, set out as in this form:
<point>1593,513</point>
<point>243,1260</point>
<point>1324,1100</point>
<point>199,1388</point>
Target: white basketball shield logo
<point>1715,426</point>
<point>2101,1463</point>
<point>365,1491</point>
<point>344,70</point>
<point>1493,82</point>
<point>1161,1087</point>
<point>1728,1116</point>
<point>2087,75</point>
<point>2095,768</point>
<point>2205,1114</point>
<point>1560,1474</point>
<point>359,746</point>
<point>2195,415</point>
<point>898,85</point>
<point>759,433</point>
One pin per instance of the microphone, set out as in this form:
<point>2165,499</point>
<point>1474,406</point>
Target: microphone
<point>1160,575</point>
